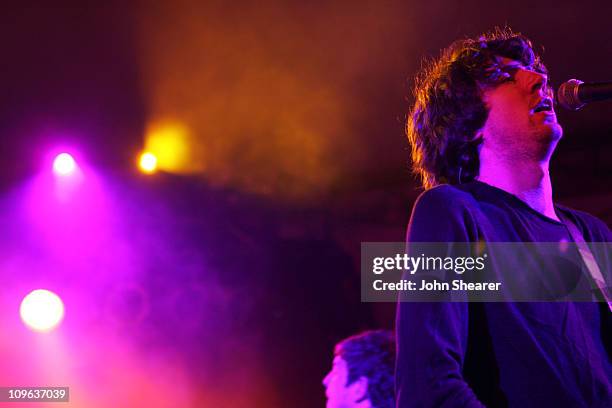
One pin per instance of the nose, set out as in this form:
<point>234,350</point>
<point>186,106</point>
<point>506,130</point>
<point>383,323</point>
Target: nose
<point>326,379</point>
<point>538,83</point>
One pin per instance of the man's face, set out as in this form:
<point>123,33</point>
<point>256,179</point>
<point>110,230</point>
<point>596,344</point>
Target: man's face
<point>338,394</point>
<point>521,117</point>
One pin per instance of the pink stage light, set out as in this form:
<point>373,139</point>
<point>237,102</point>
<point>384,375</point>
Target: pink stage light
<point>41,310</point>
<point>64,164</point>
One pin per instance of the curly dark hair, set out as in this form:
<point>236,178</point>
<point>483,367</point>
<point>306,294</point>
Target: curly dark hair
<point>449,110</point>
<point>371,354</point>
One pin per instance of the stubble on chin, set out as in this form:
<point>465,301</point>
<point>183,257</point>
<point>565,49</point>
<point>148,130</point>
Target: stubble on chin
<point>550,133</point>
<point>546,140</point>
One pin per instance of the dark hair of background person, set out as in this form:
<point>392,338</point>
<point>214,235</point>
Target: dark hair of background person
<point>371,354</point>
<point>443,125</point>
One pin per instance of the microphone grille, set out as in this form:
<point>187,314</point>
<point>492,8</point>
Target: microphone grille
<point>567,95</point>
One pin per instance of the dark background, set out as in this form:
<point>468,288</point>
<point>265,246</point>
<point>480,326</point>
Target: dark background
<point>288,251</point>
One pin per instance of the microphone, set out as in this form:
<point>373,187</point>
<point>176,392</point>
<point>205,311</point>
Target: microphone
<point>574,94</point>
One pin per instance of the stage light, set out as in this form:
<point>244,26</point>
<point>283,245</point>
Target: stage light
<point>63,164</point>
<point>148,162</point>
<point>171,143</point>
<point>41,310</point>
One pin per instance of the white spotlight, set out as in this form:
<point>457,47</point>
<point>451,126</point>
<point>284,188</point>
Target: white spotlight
<point>41,310</point>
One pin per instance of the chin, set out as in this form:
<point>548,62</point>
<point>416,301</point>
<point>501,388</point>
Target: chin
<point>551,132</point>
<point>556,131</point>
<point>547,140</point>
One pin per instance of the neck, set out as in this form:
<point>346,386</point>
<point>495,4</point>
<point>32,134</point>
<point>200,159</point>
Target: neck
<point>529,180</point>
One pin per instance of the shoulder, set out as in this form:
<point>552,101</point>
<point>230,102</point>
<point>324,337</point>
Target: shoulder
<point>444,197</point>
<point>445,193</point>
<point>591,227</point>
<point>441,214</point>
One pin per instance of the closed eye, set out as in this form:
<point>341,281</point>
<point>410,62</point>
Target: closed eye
<point>509,73</point>
<point>537,86</point>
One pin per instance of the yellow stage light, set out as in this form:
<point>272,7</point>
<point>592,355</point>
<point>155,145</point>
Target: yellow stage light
<point>148,162</point>
<point>170,143</point>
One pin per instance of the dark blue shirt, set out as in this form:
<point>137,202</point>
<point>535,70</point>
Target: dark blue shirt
<point>554,354</point>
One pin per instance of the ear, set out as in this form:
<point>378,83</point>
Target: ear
<point>359,389</point>
<point>479,134</point>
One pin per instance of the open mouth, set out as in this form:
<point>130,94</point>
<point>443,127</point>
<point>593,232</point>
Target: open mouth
<point>545,105</point>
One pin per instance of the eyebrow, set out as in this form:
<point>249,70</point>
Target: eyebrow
<point>513,66</point>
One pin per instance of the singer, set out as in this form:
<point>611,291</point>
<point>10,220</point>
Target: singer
<point>482,130</point>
